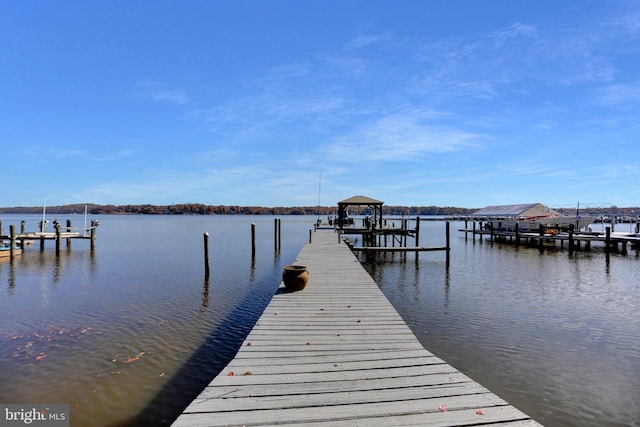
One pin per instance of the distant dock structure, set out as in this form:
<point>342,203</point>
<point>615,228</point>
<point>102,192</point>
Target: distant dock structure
<point>536,225</point>
<point>376,234</point>
<point>18,239</point>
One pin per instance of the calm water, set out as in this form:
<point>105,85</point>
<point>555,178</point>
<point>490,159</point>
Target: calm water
<point>556,335</point>
<point>129,334</point>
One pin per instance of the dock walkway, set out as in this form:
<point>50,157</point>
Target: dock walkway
<point>337,353</point>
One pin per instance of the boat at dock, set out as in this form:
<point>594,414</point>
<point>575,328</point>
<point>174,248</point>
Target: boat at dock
<point>5,250</point>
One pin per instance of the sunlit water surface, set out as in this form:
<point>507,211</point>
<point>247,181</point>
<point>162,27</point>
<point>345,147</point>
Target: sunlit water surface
<point>131,333</point>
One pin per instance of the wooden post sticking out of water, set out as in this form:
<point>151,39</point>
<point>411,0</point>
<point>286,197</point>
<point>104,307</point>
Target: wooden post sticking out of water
<point>68,231</point>
<point>253,240</point>
<point>12,232</point>
<point>57,225</point>
<point>93,234</point>
<point>607,241</point>
<point>571,239</point>
<point>277,228</point>
<point>275,234</point>
<point>448,242</point>
<point>466,227</point>
<point>310,232</point>
<point>206,256</point>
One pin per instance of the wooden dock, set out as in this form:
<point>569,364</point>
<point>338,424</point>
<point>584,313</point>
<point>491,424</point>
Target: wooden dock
<point>611,241</point>
<point>60,233</point>
<point>337,353</point>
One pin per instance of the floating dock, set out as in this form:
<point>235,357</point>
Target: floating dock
<point>337,353</point>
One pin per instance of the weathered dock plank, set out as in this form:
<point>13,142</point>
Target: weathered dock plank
<point>337,353</point>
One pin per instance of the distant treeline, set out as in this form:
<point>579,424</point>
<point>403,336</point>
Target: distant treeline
<point>201,209</point>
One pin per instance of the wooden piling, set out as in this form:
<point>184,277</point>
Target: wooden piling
<point>69,231</point>
<point>58,238</point>
<point>570,240</point>
<point>275,234</point>
<point>607,240</point>
<point>253,240</point>
<point>94,224</point>
<point>448,243</point>
<point>12,231</point>
<point>206,256</point>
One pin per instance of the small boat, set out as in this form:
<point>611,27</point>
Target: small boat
<point>5,250</point>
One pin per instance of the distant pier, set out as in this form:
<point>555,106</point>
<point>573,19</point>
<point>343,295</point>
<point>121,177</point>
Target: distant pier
<point>616,242</point>
<point>338,353</point>
<point>60,233</point>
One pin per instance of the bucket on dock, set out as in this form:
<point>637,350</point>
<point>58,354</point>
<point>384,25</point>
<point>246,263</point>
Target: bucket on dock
<point>295,277</point>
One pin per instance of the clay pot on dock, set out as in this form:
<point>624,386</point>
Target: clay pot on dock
<point>295,277</point>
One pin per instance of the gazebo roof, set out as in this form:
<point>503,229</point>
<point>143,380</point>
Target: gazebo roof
<point>360,200</point>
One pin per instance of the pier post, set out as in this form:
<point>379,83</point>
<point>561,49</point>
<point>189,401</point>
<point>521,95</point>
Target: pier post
<point>253,240</point>
<point>448,242</point>
<point>517,227</point>
<point>206,256</point>
<point>12,244</point>
<point>607,240</point>
<point>417,231</point>
<point>94,224</point>
<point>57,225</point>
<point>23,227</point>
<point>466,228</point>
<point>275,234</point>
<point>310,232</point>
<point>571,239</point>
<point>473,235</point>
<point>68,231</point>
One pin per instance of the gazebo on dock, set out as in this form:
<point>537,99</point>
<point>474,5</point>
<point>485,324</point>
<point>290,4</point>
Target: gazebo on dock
<point>375,205</point>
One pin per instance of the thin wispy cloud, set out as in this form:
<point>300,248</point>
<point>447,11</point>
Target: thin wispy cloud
<point>445,109</point>
<point>401,137</point>
<point>170,96</point>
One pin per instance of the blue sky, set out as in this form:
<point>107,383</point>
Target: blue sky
<point>448,103</point>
